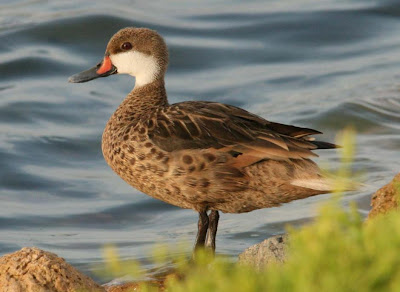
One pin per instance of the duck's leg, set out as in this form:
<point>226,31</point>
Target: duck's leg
<point>212,230</point>
<point>202,230</point>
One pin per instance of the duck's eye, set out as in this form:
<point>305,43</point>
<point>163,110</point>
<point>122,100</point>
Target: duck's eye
<point>126,46</point>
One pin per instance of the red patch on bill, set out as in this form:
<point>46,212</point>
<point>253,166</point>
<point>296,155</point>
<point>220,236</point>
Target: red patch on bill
<point>106,66</point>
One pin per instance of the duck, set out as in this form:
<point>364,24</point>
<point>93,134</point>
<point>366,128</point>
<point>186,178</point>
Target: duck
<point>206,156</point>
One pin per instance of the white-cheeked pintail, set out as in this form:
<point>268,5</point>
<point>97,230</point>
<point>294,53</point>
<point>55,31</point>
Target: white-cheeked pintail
<point>205,156</point>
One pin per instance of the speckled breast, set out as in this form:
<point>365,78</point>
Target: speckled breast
<point>140,163</point>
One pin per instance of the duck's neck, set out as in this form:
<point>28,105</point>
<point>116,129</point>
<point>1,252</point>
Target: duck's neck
<point>150,94</point>
<point>142,101</point>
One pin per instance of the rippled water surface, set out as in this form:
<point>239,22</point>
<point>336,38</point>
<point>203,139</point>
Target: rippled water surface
<point>319,64</point>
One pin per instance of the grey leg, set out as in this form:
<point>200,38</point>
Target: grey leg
<point>202,230</point>
<point>212,230</point>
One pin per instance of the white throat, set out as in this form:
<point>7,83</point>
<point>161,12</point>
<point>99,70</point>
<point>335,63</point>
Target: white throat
<point>143,67</point>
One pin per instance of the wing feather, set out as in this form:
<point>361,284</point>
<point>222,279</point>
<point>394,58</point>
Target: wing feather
<point>211,125</point>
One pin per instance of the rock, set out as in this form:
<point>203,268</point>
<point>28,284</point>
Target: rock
<point>385,199</point>
<point>127,287</point>
<point>35,270</point>
<point>261,254</point>
<point>135,286</point>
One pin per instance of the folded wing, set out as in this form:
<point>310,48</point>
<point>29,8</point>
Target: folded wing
<point>215,126</point>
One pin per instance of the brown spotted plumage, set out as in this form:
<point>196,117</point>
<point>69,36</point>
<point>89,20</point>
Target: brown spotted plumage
<point>200,155</point>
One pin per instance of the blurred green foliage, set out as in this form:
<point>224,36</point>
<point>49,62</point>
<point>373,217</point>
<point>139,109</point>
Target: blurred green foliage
<point>337,252</point>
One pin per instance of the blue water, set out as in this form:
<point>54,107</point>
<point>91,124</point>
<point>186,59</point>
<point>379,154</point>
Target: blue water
<point>319,64</point>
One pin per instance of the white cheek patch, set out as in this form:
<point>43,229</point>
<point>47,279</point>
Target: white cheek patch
<point>145,68</point>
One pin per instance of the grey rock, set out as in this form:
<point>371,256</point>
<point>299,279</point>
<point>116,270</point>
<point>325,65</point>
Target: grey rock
<point>272,249</point>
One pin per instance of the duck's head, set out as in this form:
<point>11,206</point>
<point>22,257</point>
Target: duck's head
<point>139,52</point>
